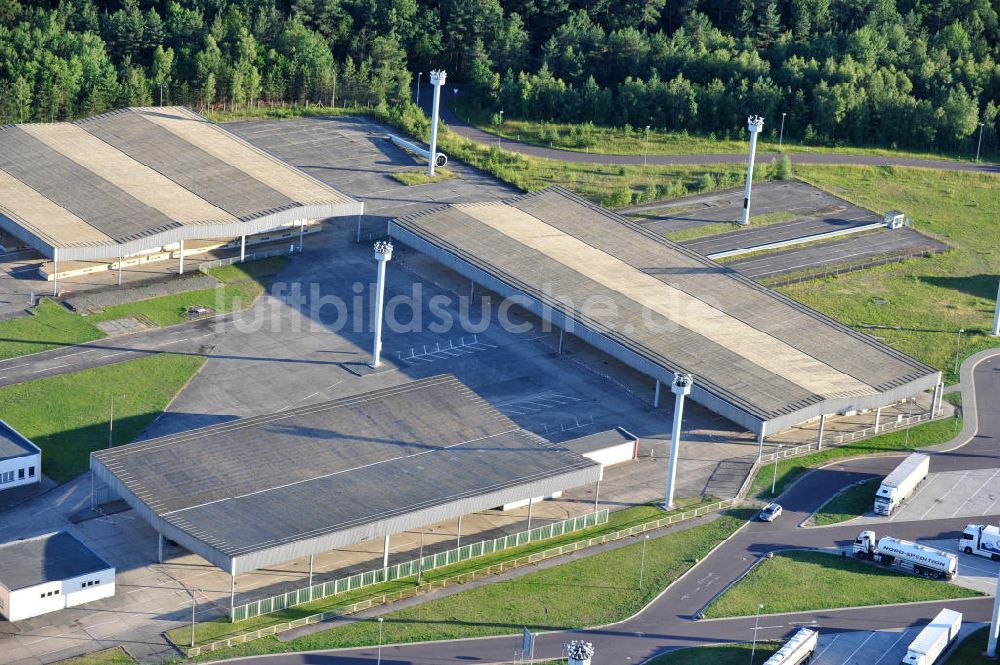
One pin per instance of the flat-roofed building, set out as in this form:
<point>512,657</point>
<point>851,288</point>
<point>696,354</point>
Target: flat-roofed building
<point>757,357</point>
<point>20,459</point>
<point>49,573</point>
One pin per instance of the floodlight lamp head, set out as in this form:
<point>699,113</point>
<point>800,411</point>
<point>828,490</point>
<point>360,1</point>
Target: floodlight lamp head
<point>383,250</point>
<point>682,384</point>
<point>438,76</point>
<point>755,123</point>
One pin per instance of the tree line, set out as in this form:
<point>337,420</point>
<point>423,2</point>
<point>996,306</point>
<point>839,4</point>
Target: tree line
<point>910,73</point>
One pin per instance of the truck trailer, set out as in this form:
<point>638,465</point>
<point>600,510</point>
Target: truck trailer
<point>912,557</point>
<point>798,649</point>
<point>934,639</point>
<point>901,482</point>
<point>981,539</point>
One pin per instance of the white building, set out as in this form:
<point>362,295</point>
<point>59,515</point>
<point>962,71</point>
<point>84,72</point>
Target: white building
<point>49,573</point>
<point>20,459</point>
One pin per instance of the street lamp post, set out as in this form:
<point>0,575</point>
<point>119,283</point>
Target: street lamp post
<point>420,561</point>
<point>645,149</point>
<point>774,476</point>
<point>980,144</point>
<point>958,348</point>
<point>781,134</point>
<point>380,619</point>
<point>111,422</point>
<point>642,564</point>
<point>419,74</point>
<point>756,624</point>
<point>194,604</point>
<point>499,128</point>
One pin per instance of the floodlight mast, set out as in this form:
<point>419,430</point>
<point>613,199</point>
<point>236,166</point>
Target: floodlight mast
<point>383,253</point>
<point>438,77</point>
<point>681,388</point>
<point>755,124</point>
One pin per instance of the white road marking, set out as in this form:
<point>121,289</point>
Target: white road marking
<point>940,499</point>
<point>973,495</point>
<point>46,369</point>
<point>892,646</point>
<point>859,647</point>
<point>826,648</point>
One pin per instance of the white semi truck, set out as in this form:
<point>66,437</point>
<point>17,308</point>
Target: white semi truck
<point>913,557</point>
<point>981,539</point>
<point>798,649</point>
<point>934,639</point>
<point>901,482</point>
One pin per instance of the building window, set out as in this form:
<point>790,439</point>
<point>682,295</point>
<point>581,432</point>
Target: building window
<point>7,477</point>
<point>20,474</point>
<point>31,472</point>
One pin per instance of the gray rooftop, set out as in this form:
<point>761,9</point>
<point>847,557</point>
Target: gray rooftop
<point>758,357</point>
<point>599,441</point>
<point>48,558</point>
<point>269,489</point>
<point>140,178</point>
<point>12,444</point>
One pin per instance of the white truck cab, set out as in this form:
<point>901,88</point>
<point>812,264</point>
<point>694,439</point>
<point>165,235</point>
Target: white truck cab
<point>981,539</point>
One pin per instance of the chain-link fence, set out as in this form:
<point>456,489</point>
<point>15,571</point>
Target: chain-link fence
<point>413,567</point>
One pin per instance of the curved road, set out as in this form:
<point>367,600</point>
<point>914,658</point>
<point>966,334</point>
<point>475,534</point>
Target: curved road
<point>463,128</point>
<point>667,622</point>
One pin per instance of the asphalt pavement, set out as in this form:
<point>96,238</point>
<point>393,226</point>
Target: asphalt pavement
<point>668,622</point>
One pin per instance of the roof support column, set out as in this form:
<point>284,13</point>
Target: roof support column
<point>822,426</point>
<point>243,248</point>
<point>878,414</point>
<point>597,495</point>
<point>55,271</point>
<point>181,255</point>
<point>472,291</point>
<point>656,395</point>
<point>302,231</point>
<point>232,594</point>
<point>562,337</point>
<point>385,552</point>
<point>530,500</point>
<point>934,398</point>
<point>760,443</point>
<point>359,228</point>
<point>159,547</point>
<point>458,539</point>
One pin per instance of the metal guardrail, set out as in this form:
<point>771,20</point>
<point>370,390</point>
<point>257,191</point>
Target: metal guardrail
<point>463,578</point>
<point>205,266</point>
<point>413,567</point>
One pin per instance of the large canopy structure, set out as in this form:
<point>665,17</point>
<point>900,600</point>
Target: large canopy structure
<point>759,358</point>
<point>141,178</point>
<point>265,490</point>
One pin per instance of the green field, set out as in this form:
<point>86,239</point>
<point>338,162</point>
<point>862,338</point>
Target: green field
<point>926,434</point>
<point>854,501</point>
<point>52,325</point>
<point>705,230</point>
<point>632,140</point>
<point>730,654</point>
<point>210,631</point>
<point>67,415</point>
<point>825,581</point>
<point>921,303</point>
<point>593,590</point>
<point>257,271</point>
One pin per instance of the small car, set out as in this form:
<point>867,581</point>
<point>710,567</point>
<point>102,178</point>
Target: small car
<point>769,513</point>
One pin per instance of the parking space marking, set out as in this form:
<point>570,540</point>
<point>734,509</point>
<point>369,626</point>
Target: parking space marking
<point>853,653</point>
<point>827,647</point>
<point>892,646</point>
<point>976,493</point>
<point>941,498</point>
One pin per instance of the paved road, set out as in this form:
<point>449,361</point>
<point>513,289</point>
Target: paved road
<point>197,337</point>
<point>462,128</point>
<point>667,622</point>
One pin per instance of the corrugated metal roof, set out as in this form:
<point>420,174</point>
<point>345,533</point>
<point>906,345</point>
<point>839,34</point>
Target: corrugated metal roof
<point>139,178</point>
<point>13,444</point>
<point>329,472</point>
<point>48,558</point>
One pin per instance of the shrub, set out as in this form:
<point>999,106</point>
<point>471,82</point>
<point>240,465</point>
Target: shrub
<point>619,198</point>
<point>706,183</point>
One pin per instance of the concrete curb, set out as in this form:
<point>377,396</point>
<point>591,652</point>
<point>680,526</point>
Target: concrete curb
<point>803,525</point>
<point>970,424</point>
<point>849,609</point>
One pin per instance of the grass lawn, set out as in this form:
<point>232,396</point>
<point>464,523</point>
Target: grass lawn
<point>52,325</point>
<point>252,270</point>
<point>172,309</point>
<point>971,650</point>
<point>854,501</point>
<point>926,434</point>
<point>922,303</point>
<point>825,581</point>
<point>114,656</point>
<point>420,177</point>
<point>729,654</point>
<point>593,590</point>
<point>67,415</point>
<point>210,631</point>
<point>632,141</point>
